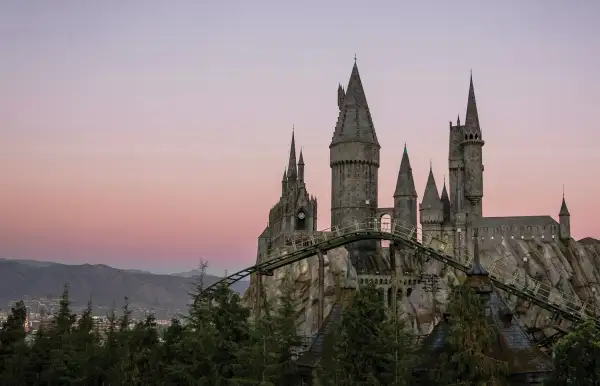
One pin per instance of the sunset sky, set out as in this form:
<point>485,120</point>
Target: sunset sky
<point>152,134</point>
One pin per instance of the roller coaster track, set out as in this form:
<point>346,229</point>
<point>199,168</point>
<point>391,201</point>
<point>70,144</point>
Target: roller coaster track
<point>514,282</point>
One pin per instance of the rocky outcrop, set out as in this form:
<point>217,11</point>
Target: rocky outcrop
<point>304,277</point>
<point>570,268</point>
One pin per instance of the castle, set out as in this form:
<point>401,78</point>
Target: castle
<point>354,162</point>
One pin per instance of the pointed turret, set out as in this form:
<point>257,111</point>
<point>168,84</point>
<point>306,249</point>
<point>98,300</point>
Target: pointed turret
<point>405,195</point>
<point>565,221</point>
<point>431,208</point>
<point>301,167</point>
<point>472,117</point>
<point>564,211</point>
<point>405,185</point>
<point>284,183</point>
<point>445,203</point>
<point>292,172</point>
<point>354,123</point>
<point>431,197</point>
<point>341,96</point>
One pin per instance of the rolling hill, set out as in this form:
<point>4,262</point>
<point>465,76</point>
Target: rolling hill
<point>105,286</point>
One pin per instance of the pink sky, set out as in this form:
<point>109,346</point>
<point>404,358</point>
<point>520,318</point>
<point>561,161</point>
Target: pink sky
<point>147,135</point>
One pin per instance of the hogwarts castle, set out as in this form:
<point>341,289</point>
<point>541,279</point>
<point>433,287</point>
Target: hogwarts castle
<point>354,161</point>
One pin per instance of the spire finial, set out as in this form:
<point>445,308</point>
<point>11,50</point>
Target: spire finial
<point>355,58</point>
<point>563,191</point>
<point>430,164</point>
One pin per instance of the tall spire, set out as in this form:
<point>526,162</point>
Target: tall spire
<point>405,184</point>
<point>472,118</point>
<point>354,122</point>
<point>292,171</point>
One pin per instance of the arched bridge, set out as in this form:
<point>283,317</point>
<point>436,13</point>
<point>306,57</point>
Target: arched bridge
<point>541,294</point>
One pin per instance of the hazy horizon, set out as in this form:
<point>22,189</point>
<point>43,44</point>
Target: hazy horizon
<point>150,135</point>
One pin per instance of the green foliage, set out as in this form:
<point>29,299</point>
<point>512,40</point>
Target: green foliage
<point>467,357</point>
<point>370,346</point>
<point>217,344</point>
<point>577,357</point>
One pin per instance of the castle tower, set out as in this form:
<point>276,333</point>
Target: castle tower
<point>431,210</point>
<point>405,195</point>
<point>472,154</point>
<point>565,221</point>
<point>354,162</point>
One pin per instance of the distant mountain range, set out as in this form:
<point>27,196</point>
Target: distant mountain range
<point>105,286</point>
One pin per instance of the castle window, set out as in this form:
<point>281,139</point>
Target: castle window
<point>476,136</point>
<point>492,237</point>
<point>512,237</point>
<point>471,136</point>
<point>522,237</point>
<point>466,136</point>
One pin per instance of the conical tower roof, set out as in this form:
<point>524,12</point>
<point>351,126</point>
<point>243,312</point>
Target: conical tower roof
<point>445,202</point>
<point>472,117</point>
<point>354,121</point>
<point>405,184</point>
<point>431,197</point>
<point>564,211</point>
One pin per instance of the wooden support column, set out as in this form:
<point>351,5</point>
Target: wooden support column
<point>321,310</point>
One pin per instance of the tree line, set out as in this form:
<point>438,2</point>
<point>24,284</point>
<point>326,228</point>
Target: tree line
<point>218,344</point>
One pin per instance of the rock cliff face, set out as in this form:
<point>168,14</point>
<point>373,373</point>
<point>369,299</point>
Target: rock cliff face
<point>571,268</point>
<point>304,277</point>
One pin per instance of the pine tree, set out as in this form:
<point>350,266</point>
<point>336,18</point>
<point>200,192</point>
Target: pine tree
<point>194,364</point>
<point>467,358</point>
<point>370,345</point>
<point>86,340</point>
<point>55,346</point>
<point>232,331</point>
<point>13,349</point>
